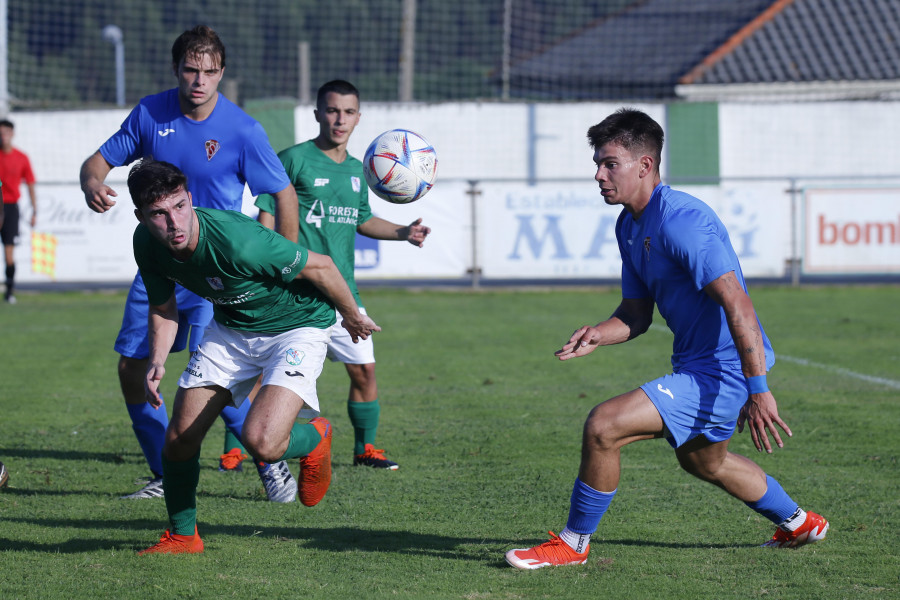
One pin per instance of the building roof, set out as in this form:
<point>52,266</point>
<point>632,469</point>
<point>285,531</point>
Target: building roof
<point>656,48</point>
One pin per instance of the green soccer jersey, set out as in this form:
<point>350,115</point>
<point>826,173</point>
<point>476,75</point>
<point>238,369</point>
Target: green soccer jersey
<point>246,270</point>
<point>334,201</point>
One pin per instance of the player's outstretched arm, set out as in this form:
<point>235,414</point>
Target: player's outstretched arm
<point>96,193</point>
<point>162,329</point>
<point>320,270</point>
<point>761,410</point>
<point>379,229</point>
<point>630,319</point>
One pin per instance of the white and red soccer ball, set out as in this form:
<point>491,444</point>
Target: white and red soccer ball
<point>400,166</point>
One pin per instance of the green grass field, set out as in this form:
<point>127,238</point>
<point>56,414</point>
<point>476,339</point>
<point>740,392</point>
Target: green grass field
<point>486,426</point>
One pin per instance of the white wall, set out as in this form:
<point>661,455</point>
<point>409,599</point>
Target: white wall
<point>518,228</point>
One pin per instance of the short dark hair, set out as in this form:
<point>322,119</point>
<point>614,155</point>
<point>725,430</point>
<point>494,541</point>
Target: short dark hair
<point>7,123</point>
<point>337,86</point>
<point>149,180</point>
<point>194,42</point>
<point>633,130</point>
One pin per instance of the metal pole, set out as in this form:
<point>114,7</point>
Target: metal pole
<point>4,60</point>
<point>113,35</point>
<point>303,72</point>
<point>407,50</point>
<point>507,51</point>
<point>795,225</point>
<point>473,193</point>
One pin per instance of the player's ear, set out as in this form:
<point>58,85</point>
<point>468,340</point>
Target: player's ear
<point>138,215</point>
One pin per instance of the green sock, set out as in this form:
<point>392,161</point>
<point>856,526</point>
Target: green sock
<point>180,481</point>
<point>364,418</point>
<point>304,439</point>
<point>232,441</point>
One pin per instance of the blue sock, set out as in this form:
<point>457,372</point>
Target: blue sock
<point>587,507</point>
<point>149,426</point>
<point>234,417</point>
<point>775,504</point>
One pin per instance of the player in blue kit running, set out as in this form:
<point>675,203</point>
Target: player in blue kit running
<point>221,149</point>
<point>677,255</point>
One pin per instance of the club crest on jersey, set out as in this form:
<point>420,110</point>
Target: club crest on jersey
<point>212,146</point>
<point>215,283</point>
<point>647,247</point>
<point>355,184</point>
<point>294,357</point>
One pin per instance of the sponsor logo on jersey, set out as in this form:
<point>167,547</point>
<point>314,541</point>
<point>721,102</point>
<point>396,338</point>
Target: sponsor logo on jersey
<point>316,214</point>
<point>165,132</point>
<point>212,146</point>
<point>215,283</point>
<point>320,182</point>
<point>291,266</point>
<point>355,184</point>
<point>294,357</point>
<point>647,247</point>
<point>231,299</point>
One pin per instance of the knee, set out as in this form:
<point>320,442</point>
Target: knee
<point>599,430</point>
<point>705,470</point>
<point>128,366</point>
<point>259,446</point>
<point>363,386</point>
<point>131,379</point>
<point>362,375</point>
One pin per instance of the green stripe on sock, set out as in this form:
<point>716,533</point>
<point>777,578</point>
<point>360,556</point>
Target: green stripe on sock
<point>232,441</point>
<point>364,418</point>
<point>180,481</point>
<point>304,439</point>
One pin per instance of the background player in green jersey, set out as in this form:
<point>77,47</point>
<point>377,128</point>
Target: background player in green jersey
<point>274,306</point>
<point>334,206</point>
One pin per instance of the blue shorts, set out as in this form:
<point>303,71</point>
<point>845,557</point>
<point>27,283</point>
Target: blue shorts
<point>194,314</point>
<point>693,403</point>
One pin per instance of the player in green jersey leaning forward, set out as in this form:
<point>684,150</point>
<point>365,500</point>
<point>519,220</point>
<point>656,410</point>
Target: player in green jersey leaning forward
<point>274,304</point>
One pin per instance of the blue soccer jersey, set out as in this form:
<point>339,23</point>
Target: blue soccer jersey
<point>219,154</point>
<point>677,247</point>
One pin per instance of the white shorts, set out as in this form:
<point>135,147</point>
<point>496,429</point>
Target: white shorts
<point>234,360</point>
<point>342,349</point>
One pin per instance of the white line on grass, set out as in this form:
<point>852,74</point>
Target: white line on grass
<point>891,383</point>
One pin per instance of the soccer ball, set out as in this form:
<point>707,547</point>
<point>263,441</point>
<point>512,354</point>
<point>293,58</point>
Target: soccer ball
<point>400,166</point>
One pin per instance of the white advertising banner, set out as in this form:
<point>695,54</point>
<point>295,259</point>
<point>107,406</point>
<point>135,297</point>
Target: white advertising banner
<point>566,231</point>
<point>545,231</point>
<point>447,252</point>
<point>851,230</point>
<point>72,243</point>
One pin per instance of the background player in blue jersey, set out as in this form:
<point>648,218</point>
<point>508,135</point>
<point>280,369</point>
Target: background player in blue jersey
<point>221,149</point>
<point>676,254</point>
